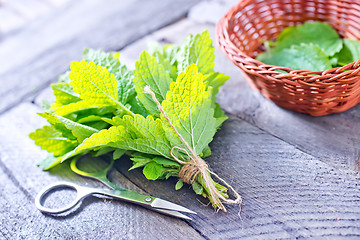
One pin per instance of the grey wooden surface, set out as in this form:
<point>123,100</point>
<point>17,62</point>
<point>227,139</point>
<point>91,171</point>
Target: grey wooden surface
<point>298,175</point>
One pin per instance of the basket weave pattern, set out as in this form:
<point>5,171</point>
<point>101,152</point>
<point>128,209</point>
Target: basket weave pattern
<point>242,31</point>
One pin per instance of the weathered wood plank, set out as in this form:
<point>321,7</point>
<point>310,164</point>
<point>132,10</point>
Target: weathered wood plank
<point>20,180</point>
<point>9,21</point>
<point>31,60</point>
<point>330,138</point>
<point>29,9</point>
<point>287,193</point>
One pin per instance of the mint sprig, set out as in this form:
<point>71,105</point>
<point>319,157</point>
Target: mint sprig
<point>101,107</point>
<point>314,46</point>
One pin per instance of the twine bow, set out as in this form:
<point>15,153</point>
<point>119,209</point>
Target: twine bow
<point>191,169</point>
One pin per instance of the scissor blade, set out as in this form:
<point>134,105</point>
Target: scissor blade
<point>173,214</point>
<point>163,204</point>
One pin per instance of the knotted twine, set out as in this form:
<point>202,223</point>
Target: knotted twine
<point>191,169</point>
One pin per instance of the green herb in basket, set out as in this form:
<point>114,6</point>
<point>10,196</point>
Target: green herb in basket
<point>312,46</point>
<point>163,114</point>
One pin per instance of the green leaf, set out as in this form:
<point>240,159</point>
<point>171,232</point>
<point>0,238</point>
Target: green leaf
<point>179,184</point>
<point>197,49</point>
<point>49,139</point>
<point>96,86</point>
<point>80,131</point>
<point>219,115</point>
<point>118,153</point>
<point>320,34</point>
<point>90,118</point>
<point>64,92</point>
<point>349,53</point>
<point>111,62</point>
<point>139,162</point>
<point>198,189</point>
<point>188,106</point>
<point>58,125</point>
<point>69,128</point>
<point>126,88</point>
<point>150,73</point>
<point>300,57</point>
<point>103,151</point>
<point>46,105</point>
<point>100,125</point>
<point>78,106</point>
<point>166,162</point>
<point>206,152</point>
<point>49,162</point>
<point>137,107</point>
<point>135,133</point>
<point>153,171</point>
<point>163,56</point>
<point>99,57</point>
<point>216,80</point>
<point>169,174</point>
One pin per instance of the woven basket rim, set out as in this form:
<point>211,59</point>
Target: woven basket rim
<point>222,32</point>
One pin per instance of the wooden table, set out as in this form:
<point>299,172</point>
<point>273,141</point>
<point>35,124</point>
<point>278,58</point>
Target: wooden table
<point>298,175</point>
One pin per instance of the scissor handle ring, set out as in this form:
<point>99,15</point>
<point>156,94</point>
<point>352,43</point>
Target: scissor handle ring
<point>81,193</point>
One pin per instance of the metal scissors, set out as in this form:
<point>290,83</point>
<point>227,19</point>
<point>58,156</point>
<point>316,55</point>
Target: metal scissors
<point>115,191</point>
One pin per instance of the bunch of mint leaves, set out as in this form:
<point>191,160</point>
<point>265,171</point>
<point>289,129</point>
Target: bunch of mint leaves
<point>101,108</point>
<point>314,46</point>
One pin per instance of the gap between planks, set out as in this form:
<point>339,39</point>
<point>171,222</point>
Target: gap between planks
<point>109,33</point>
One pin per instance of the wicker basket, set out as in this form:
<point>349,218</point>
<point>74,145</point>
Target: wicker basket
<point>242,31</point>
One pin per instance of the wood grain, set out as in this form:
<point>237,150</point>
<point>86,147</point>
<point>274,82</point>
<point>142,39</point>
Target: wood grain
<point>333,138</point>
<point>295,172</point>
<point>30,61</point>
<point>21,179</point>
<point>287,193</point>
<point>290,191</point>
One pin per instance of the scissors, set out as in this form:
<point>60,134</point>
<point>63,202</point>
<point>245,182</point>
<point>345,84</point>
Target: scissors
<point>115,191</point>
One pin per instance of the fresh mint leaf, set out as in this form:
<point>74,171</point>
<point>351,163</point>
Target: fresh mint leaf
<point>166,162</point>
<point>94,83</point>
<point>118,153</point>
<point>197,50</point>
<point>349,53</point>
<point>320,34</point>
<point>216,80</point>
<point>188,106</point>
<point>135,133</point>
<point>299,57</point>
<point>149,72</point>
<point>206,152</point>
<point>64,92</point>
<point>179,184</point>
<point>48,162</point>
<point>51,140</point>
<point>111,62</point>
<point>198,189</point>
<point>153,171</point>
<point>96,87</point>
<point>68,128</point>
<point>58,125</point>
<point>137,107</point>
<point>100,92</point>
<point>219,115</point>
<point>139,162</point>
<point>103,151</point>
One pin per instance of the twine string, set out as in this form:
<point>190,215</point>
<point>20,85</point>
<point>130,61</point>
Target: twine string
<point>191,169</point>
